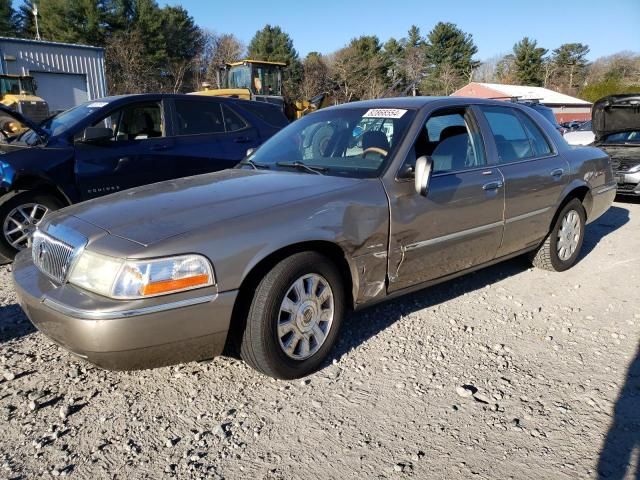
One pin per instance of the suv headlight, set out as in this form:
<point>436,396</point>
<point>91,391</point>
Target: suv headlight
<point>132,279</point>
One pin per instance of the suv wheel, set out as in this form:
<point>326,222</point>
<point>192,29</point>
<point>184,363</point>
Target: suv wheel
<point>561,248</point>
<point>294,317</point>
<point>20,213</point>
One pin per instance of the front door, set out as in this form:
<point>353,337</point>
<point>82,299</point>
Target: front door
<point>138,153</point>
<point>459,223</point>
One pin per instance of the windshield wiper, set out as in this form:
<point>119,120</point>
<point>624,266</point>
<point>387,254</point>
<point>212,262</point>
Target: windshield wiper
<point>303,166</point>
<point>256,166</point>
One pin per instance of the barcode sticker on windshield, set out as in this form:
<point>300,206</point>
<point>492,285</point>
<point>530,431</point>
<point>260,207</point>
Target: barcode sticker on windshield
<point>97,104</point>
<point>384,113</point>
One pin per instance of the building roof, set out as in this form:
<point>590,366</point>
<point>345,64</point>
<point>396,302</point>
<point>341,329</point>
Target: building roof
<point>544,95</point>
<point>46,42</point>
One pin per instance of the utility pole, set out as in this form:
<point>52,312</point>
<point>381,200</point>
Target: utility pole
<point>34,10</point>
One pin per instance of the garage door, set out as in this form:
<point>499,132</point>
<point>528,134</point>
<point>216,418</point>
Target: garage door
<point>61,90</point>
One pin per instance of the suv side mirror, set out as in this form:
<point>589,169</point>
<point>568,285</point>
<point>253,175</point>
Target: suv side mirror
<point>424,166</point>
<point>96,134</point>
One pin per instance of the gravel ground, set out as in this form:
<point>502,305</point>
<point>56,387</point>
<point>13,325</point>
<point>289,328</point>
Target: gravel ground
<point>510,372</point>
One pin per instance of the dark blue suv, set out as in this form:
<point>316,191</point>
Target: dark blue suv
<point>117,143</point>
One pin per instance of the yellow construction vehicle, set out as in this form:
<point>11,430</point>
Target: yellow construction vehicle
<point>18,92</point>
<point>260,81</point>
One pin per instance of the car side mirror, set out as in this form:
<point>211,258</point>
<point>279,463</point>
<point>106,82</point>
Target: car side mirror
<point>96,134</point>
<point>424,166</point>
<point>250,152</point>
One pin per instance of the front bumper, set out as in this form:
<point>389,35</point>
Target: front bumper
<point>628,183</point>
<point>125,335</point>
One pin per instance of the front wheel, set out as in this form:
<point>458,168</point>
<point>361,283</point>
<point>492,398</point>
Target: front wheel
<point>20,213</point>
<point>561,248</point>
<point>294,317</point>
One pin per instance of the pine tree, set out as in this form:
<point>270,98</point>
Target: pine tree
<point>528,62</point>
<point>8,19</point>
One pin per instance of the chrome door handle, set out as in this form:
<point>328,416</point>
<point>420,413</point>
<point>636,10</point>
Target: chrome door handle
<point>492,185</point>
<point>558,172</point>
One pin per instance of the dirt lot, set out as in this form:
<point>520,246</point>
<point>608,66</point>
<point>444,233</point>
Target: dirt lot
<point>550,363</point>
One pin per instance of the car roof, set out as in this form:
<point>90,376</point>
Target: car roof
<point>421,102</point>
<point>141,97</point>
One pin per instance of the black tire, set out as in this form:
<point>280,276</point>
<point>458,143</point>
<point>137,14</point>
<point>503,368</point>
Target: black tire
<point>11,201</point>
<point>546,256</point>
<point>260,345</point>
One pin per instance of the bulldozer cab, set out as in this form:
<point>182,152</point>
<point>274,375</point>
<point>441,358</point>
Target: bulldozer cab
<point>18,92</point>
<point>260,81</point>
<point>260,78</point>
<point>16,85</point>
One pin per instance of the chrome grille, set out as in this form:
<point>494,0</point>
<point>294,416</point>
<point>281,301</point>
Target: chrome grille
<point>52,256</point>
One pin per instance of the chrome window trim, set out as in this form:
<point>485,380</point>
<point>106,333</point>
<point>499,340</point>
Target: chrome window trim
<point>114,315</point>
<point>453,236</point>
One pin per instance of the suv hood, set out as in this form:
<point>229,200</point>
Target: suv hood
<point>155,212</point>
<point>4,110</point>
<point>616,113</point>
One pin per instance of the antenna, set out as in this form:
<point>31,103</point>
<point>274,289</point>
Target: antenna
<point>34,10</point>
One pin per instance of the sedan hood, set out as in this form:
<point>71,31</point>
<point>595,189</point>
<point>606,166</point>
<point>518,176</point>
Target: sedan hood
<point>616,113</point>
<point>155,212</point>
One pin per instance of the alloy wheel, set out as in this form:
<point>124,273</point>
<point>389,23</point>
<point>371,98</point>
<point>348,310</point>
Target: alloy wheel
<point>305,316</point>
<point>569,235</point>
<point>21,222</point>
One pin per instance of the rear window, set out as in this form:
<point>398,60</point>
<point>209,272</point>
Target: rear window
<point>267,113</point>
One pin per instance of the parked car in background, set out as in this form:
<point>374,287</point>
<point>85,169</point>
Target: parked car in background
<point>117,143</point>
<point>572,125</point>
<point>405,193</point>
<point>545,111</point>
<point>583,135</point>
<point>616,123</point>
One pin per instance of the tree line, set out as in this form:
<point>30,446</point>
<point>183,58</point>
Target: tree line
<point>153,48</point>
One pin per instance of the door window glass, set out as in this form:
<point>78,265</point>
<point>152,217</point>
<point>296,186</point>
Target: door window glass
<point>511,139</point>
<point>233,121</point>
<point>135,122</point>
<point>195,118</point>
<point>539,143</point>
<point>450,142</point>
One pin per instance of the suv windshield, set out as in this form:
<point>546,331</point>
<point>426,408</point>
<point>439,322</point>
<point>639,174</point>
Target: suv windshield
<point>351,142</point>
<point>60,123</point>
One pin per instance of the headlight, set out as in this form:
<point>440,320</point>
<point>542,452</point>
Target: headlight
<point>130,279</point>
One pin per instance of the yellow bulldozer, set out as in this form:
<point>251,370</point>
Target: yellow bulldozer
<point>18,92</point>
<point>259,81</point>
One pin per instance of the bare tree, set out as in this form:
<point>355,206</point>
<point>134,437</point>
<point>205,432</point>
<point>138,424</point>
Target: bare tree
<point>225,48</point>
<point>315,76</point>
<point>414,66</point>
<point>128,68</point>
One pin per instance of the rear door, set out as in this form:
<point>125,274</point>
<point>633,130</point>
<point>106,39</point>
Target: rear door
<point>459,223</point>
<point>138,153</point>
<point>209,136</point>
<point>534,176</point>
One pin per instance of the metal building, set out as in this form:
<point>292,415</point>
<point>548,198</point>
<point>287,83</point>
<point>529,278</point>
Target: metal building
<point>65,74</point>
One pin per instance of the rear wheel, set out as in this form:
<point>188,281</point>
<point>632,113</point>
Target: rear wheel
<point>20,213</point>
<point>561,248</point>
<point>295,316</point>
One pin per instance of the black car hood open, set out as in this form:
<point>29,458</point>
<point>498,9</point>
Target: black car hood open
<point>22,119</point>
<point>616,113</point>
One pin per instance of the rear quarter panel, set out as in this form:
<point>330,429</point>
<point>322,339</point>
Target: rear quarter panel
<point>591,167</point>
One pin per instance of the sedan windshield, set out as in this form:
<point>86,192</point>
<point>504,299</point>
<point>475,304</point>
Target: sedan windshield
<point>623,138</point>
<point>352,142</point>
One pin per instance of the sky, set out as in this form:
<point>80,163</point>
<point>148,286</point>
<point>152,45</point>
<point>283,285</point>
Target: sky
<point>327,25</point>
